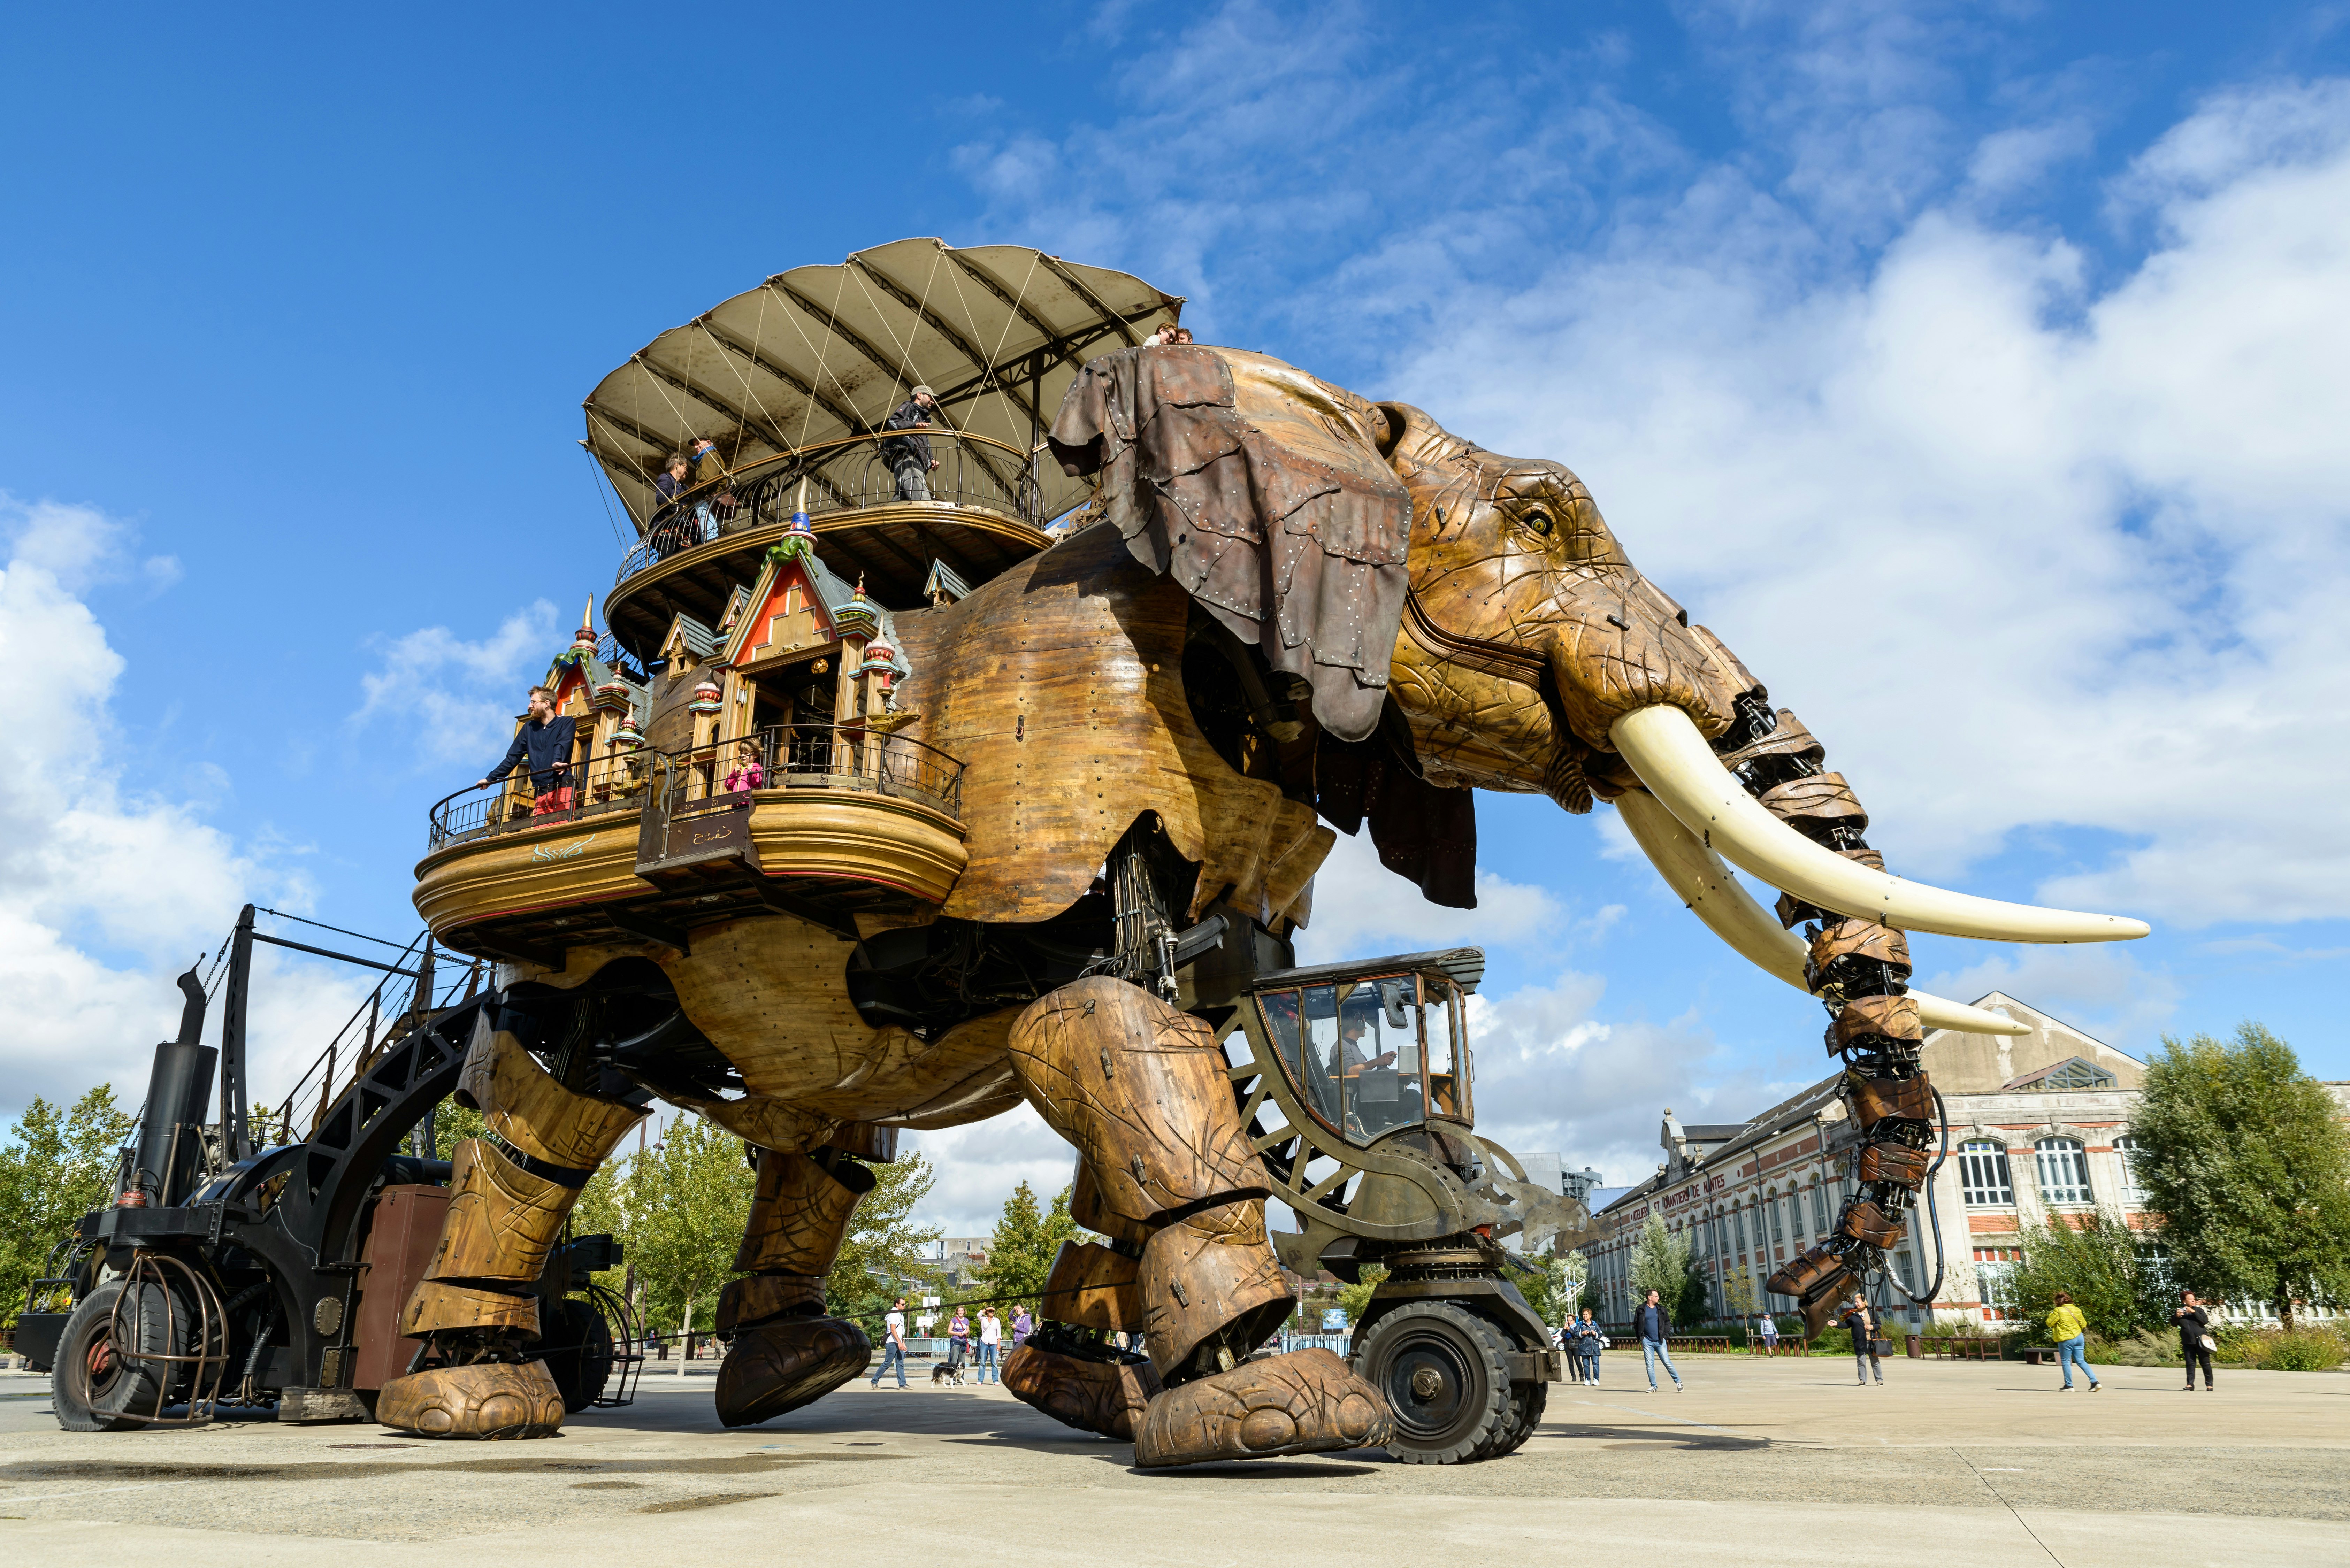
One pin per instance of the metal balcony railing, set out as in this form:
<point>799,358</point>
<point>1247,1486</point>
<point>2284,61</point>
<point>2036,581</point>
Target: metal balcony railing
<point>609,784</point>
<point>812,757</point>
<point>853,473</point>
<point>700,778</point>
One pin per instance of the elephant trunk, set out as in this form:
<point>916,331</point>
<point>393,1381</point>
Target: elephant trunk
<point>1761,795</point>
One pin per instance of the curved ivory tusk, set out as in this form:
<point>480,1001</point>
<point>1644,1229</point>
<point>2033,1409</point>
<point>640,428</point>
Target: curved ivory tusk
<point>1702,882</point>
<point>1663,746</point>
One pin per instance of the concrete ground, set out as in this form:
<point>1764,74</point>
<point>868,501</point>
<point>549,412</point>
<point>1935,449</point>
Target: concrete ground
<point>1778,1461</point>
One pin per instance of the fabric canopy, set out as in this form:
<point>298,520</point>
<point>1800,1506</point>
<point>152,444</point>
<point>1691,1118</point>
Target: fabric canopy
<point>822,353</point>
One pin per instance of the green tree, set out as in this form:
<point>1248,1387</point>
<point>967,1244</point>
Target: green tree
<point>2245,1157</point>
<point>684,1201</point>
<point>451,1125</point>
<point>59,1165</point>
<point>883,1254</point>
<point>1661,1263</point>
<point>1739,1298</point>
<point>1551,1283</point>
<point>2100,1262</point>
<point>1020,1254</point>
<point>1356,1298</point>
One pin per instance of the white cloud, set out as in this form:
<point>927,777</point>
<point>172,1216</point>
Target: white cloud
<point>459,698</point>
<point>980,1164</point>
<point>1361,908</point>
<point>2032,538</point>
<point>1553,1075</point>
<point>2021,554</point>
<point>2103,992</point>
<point>108,887</point>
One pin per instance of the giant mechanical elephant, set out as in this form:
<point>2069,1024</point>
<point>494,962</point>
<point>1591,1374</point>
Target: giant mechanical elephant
<point>1288,605</point>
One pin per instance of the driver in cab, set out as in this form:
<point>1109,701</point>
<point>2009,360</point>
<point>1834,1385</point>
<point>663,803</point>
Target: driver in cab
<point>1354,1058</point>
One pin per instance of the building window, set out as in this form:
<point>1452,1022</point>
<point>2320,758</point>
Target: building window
<point>1995,1269</point>
<point>2130,1151</point>
<point>1984,1176</point>
<point>1819,1208</point>
<point>1778,1236</point>
<point>2064,1170</point>
<point>1739,1220</point>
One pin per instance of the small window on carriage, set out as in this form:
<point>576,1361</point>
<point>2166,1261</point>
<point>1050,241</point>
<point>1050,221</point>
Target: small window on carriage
<point>1281,1022</point>
<point>1317,1072</point>
<point>1441,1010</point>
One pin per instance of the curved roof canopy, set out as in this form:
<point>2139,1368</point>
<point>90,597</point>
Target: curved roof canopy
<point>819,354</point>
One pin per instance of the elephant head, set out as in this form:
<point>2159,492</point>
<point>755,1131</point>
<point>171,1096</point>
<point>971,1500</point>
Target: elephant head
<point>1386,566</point>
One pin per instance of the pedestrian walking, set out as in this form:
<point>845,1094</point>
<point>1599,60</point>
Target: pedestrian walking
<point>2070,1330</point>
<point>2195,1341</point>
<point>991,1341</point>
<point>1770,1335</point>
<point>893,1344</point>
<point>1861,1319</point>
<point>1651,1323</point>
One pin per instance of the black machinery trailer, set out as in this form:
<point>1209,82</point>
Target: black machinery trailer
<point>220,1272</point>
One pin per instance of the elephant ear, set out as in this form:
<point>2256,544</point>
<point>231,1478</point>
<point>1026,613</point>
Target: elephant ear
<point>1262,491</point>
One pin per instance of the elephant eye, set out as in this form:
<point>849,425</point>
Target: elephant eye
<point>1539,521</point>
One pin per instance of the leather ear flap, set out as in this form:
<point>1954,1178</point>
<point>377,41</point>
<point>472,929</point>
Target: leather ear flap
<point>1262,491</point>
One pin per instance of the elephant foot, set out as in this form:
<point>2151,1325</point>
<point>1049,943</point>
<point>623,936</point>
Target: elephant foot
<point>780,1367</point>
<point>1106,1396</point>
<point>487,1400</point>
<point>1305,1402</point>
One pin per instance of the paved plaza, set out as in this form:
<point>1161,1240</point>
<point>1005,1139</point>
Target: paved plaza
<point>1779,1462</point>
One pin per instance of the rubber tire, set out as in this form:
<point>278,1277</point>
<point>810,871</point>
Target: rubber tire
<point>579,1372</point>
<point>1472,1410</point>
<point>113,1404</point>
<point>1527,1402</point>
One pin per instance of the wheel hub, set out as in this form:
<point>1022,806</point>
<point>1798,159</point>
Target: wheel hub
<point>1427,1384</point>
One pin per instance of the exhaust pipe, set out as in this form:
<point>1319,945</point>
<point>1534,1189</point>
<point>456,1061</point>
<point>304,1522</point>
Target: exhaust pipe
<point>170,1152</point>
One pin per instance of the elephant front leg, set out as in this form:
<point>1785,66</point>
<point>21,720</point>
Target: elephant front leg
<point>475,1308</point>
<point>783,1350</point>
<point>1861,971</point>
<point>1140,1089</point>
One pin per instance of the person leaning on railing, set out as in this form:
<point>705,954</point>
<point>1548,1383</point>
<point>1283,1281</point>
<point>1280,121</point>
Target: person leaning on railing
<point>676,525</point>
<point>908,456</point>
<point>748,774</point>
<point>543,741</point>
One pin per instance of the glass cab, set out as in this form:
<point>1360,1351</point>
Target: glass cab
<point>1370,1051</point>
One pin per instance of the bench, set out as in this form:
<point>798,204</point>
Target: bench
<point>1970,1347</point>
<point>2036,1355</point>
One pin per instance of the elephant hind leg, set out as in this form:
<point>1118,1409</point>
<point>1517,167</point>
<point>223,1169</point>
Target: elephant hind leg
<point>783,1350</point>
<point>511,1192</point>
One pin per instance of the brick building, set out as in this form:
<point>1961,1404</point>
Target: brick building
<point>2039,1122</point>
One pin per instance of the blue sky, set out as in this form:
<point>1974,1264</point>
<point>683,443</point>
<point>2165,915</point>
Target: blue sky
<point>1973,371</point>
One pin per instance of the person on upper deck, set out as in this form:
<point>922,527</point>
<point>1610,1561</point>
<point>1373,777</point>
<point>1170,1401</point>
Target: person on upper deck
<point>543,741</point>
<point>747,773</point>
<point>676,525</point>
<point>908,456</point>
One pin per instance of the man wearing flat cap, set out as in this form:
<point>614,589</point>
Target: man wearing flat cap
<point>908,456</point>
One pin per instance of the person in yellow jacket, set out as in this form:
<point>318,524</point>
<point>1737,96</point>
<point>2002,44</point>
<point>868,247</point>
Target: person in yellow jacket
<point>2070,1329</point>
